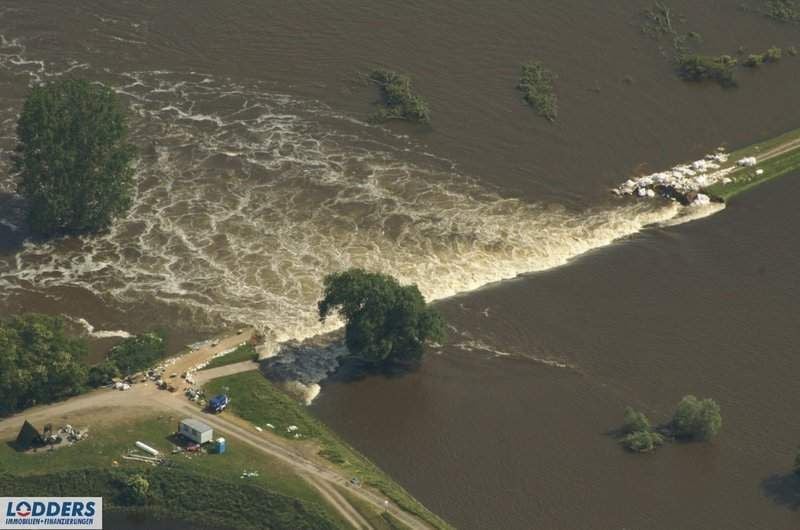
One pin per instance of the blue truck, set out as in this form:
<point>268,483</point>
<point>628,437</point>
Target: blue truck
<point>218,403</point>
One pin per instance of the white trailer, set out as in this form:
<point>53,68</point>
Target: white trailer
<point>196,430</point>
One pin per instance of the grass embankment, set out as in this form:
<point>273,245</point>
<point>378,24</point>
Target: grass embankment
<point>745,178</point>
<point>378,520</point>
<point>206,488</point>
<point>256,400</point>
<point>245,352</point>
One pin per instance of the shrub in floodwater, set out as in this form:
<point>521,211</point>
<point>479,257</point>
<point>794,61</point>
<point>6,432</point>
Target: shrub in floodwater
<point>639,436</point>
<point>536,83</point>
<point>658,20</point>
<point>399,100</point>
<point>634,421</point>
<point>783,10</point>
<point>642,441</point>
<point>697,419</point>
<point>385,322</point>
<point>772,55</point>
<point>702,67</point>
<point>754,59</point>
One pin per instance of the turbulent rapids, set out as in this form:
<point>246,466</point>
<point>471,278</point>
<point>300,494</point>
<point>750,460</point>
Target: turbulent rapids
<point>247,198</point>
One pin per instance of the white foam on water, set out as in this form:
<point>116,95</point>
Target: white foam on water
<point>693,213</point>
<point>246,199</point>
<point>100,334</point>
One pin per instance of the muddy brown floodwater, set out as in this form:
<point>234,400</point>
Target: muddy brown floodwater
<point>259,175</point>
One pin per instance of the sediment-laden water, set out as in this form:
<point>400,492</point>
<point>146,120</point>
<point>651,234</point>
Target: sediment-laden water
<point>248,197</point>
<point>259,175</point>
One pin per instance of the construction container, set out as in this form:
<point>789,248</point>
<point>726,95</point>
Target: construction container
<point>196,430</point>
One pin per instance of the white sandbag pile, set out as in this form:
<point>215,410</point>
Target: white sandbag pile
<point>684,182</point>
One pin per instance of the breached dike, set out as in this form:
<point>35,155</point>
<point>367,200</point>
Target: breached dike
<point>720,176</point>
<point>684,183</point>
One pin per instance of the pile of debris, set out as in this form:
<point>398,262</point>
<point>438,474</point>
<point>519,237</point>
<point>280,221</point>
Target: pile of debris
<point>153,456</point>
<point>684,183</point>
<point>308,362</point>
<point>71,434</point>
<point>195,394</point>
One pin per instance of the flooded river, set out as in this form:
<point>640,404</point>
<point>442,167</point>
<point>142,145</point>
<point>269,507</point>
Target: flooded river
<point>259,174</point>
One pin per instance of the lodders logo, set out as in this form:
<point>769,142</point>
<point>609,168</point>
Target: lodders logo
<point>51,512</point>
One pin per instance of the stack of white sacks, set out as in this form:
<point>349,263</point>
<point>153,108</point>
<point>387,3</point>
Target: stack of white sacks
<point>686,179</point>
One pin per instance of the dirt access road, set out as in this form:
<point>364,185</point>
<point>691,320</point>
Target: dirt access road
<point>144,398</point>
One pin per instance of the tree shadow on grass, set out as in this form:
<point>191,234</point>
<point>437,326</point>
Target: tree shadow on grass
<point>13,445</point>
<point>783,489</point>
<point>36,448</point>
<point>177,440</point>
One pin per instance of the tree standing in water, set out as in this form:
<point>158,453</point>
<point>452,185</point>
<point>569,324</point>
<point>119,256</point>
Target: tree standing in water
<point>385,321</point>
<point>73,159</point>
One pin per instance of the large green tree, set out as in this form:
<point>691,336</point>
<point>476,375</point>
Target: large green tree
<point>385,321</point>
<point>73,159</point>
<point>39,363</point>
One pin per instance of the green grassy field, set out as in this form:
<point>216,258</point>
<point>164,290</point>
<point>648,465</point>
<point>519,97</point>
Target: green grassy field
<point>178,493</point>
<point>245,352</point>
<point>256,400</point>
<point>107,443</point>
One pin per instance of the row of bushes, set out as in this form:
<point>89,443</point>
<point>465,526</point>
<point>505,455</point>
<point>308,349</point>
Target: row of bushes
<point>40,363</point>
<point>772,55</point>
<point>783,10</point>
<point>130,356</point>
<point>400,102</point>
<point>694,419</point>
<point>660,21</point>
<point>721,68</point>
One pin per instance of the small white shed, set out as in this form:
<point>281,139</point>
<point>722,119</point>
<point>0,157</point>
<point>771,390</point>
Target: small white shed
<point>196,430</point>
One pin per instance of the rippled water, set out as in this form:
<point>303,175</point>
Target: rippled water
<point>247,198</point>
